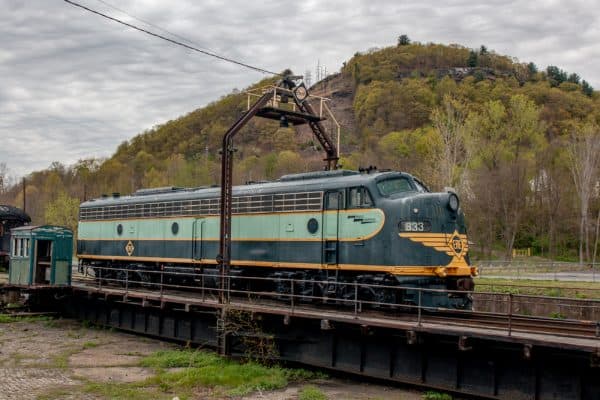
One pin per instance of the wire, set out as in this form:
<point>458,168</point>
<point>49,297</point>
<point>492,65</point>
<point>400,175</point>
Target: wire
<point>154,25</point>
<point>208,53</point>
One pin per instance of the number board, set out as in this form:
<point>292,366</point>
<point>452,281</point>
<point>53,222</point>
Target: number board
<point>414,226</point>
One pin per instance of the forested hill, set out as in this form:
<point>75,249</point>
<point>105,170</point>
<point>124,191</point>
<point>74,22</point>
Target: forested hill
<point>511,138</point>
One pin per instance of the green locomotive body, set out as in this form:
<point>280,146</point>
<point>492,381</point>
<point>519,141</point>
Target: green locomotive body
<point>382,228</point>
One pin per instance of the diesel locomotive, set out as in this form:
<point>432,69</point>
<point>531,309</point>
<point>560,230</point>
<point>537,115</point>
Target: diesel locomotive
<point>373,229</point>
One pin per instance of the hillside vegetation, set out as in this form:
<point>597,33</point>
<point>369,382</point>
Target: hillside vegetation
<point>520,145</point>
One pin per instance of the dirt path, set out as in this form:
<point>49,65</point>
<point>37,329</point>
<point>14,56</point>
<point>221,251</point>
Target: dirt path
<point>64,359</point>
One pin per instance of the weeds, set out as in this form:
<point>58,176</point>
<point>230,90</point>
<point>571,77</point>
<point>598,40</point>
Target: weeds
<point>203,368</point>
<point>311,393</point>
<point>128,391</point>
<point>7,319</point>
<point>557,315</point>
<point>436,396</point>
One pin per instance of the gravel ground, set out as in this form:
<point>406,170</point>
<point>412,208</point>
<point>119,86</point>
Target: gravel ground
<point>56,359</point>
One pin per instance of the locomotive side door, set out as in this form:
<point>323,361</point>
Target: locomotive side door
<point>334,201</point>
<point>197,234</point>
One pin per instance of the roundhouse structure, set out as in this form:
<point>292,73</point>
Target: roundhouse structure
<point>381,228</point>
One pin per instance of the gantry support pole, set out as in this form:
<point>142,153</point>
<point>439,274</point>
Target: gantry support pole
<point>284,89</point>
<point>224,257</point>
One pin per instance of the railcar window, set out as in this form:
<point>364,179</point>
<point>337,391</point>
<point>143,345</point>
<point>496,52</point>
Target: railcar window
<point>359,197</point>
<point>284,202</point>
<point>394,185</point>
<point>21,244</point>
<point>335,201</point>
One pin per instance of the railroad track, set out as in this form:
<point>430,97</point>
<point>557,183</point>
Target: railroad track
<point>467,319</point>
<point>521,323</point>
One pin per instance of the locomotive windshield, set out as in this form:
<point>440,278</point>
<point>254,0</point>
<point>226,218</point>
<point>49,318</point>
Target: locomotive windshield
<point>394,185</point>
<point>421,186</point>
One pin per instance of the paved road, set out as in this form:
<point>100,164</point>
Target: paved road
<point>546,276</point>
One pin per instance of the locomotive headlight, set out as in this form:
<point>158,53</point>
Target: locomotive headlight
<point>453,202</point>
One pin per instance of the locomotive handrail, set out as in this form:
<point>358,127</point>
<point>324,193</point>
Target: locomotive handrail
<point>510,320</point>
<point>296,280</point>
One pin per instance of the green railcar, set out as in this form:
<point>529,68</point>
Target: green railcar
<point>40,256</point>
<point>382,228</point>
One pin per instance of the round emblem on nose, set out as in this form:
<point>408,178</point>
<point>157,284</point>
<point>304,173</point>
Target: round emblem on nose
<point>456,244</point>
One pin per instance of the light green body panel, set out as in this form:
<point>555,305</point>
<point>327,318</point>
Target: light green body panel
<point>351,225</point>
<point>19,271</point>
<point>61,273</point>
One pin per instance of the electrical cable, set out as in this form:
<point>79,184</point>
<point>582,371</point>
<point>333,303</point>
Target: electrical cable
<point>154,26</point>
<point>208,53</point>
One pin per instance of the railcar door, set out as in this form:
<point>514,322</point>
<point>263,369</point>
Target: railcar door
<point>334,201</point>
<point>197,234</point>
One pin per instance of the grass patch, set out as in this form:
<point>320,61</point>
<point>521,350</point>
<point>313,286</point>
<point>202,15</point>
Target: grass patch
<point>203,368</point>
<point>53,394</point>
<point>579,290</point>
<point>90,345</point>
<point>7,319</point>
<point>124,391</point>
<point>436,396</point>
<point>310,392</point>
<point>61,360</point>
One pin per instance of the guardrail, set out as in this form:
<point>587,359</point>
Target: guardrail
<point>549,270</point>
<point>508,315</point>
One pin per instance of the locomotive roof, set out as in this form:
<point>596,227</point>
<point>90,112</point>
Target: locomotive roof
<point>13,213</point>
<point>311,181</point>
<point>42,230</point>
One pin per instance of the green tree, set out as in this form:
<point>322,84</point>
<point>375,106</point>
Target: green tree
<point>573,78</point>
<point>63,211</point>
<point>505,141</point>
<point>289,162</point>
<point>403,40</point>
<point>587,89</point>
<point>556,76</point>
<point>533,69</point>
<point>473,60</point>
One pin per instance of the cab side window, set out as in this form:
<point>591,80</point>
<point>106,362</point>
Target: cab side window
<point>334,201</point>
<point>359,197</point>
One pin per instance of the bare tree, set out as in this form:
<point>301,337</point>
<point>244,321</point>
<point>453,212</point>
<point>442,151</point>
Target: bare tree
<point>596,240</point>
<point>583,151</point>
<point>449,122</point>
<point>3,177</point>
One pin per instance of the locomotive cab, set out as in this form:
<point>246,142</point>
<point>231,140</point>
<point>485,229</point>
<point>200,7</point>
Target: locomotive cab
<point>427,234</point>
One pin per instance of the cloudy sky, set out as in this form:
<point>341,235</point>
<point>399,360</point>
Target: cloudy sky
<point>74,85</point>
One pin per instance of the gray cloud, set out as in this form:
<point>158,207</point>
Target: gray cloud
<point>73,85</point>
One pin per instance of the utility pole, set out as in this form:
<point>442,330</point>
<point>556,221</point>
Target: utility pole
<point>308,78</point>
<point>318,71</point>
<point>24,196</point>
